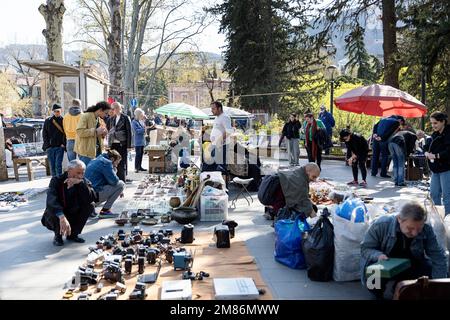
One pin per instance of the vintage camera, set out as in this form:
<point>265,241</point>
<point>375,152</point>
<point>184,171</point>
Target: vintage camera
<point>126,242</point>
<point>83,296</point>
<point>136,230</point>
<point>147,242</point>
<point>88,275</point>
<point>151,255</point>
<point>118,251</point>
<point>138,292</point>
<point>121,235</point>
<point>169,255</point>
<point>122,288</point>
<point>130,251</point>
<point>166,232</point>
<point>111,296</point>
<point>113,272</point>
<point>141,251</point>
<point>136,238</point>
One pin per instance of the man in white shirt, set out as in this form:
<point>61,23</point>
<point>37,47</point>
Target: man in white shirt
<point>220,132</point>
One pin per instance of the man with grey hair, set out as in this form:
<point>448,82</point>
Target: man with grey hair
<point>70,201</point>
<point>407,236</point>
<point>120,137</point>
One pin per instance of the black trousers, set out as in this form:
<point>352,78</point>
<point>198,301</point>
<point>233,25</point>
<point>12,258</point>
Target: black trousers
<point>318,155</point>
<point>361,163</point>
<point>77,220</point>
<point>123,164</point>
<point>139,156</point>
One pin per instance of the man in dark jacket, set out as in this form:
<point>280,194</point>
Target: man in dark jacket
<point>291,131</point>
<point>70,201</point>
<point>382,131</point>
<point>328,120</point>
<point>119,136</point>
<point>359,149</point>
<point>54,140</point>
<point>401,145</point>
<point>406,236</point>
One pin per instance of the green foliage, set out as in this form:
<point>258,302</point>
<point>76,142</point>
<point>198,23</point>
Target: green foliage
<point>366,66</point>
<point>269,51</point>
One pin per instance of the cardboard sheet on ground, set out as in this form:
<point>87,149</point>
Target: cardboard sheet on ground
<point>219,263</point>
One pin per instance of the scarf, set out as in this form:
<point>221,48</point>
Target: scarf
<point>310,134</point>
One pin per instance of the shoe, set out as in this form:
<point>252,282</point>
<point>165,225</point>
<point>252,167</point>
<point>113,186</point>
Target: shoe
<point>385,176</point>
<point>58,241</point>
<point>363,184</point>
<point>352,183</point>
<point>401,185</point>
<point>105,214</point>
<point>76,239</point>
<point>373,175</point>
<point>142,169</point>
<point>93,215</point>
<point>136,171</point>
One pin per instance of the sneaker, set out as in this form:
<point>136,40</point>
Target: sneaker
<point>58,241</point>
<point>76,239</point>
<point>385,176</point>
<point>352,183</point>
<point>105,214</point>
<point>363,184</point>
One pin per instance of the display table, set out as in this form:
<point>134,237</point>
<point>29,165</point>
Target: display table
<point>219,263</point>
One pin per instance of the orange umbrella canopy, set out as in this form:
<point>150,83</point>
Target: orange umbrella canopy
<point>381,100</point>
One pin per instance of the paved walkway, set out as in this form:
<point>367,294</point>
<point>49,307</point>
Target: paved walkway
<point>32,268</point>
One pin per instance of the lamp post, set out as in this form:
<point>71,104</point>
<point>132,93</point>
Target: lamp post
<point>332,68</point>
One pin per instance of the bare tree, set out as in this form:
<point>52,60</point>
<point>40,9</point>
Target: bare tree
<point>115,49</point>
<point>170,29</point>
<point>53,13</point>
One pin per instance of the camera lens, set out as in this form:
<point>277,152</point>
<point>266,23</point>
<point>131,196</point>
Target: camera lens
<point>141,265</point>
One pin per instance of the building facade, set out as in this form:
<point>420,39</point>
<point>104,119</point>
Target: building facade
<point>197,93</point>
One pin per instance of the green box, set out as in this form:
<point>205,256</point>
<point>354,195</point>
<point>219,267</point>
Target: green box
<point>389,268</point>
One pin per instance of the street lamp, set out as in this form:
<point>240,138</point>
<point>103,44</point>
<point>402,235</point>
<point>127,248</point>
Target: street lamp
<point>331,69</point>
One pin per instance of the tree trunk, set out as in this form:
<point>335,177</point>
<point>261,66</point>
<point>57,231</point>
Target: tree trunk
<point>3,169</point>
<point>53,13</point>
<point>115,52</point>
<point>391,66</point>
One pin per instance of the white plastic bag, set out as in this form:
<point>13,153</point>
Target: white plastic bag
<point>437,222</point>
<point>348,236</point>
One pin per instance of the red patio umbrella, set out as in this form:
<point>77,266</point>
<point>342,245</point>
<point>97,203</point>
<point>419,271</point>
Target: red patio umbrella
<point>381,100</point>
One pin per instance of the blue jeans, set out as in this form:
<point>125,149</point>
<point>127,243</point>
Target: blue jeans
<point>440,188</point>
<point>139,156</point>
<point>55,158</point>
<point>398,159</point>
<point>86,160</point>
<point>379,148</point>
<point>71,155</point>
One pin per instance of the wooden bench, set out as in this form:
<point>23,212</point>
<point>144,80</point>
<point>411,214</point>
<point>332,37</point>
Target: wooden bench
<point>27,153</point>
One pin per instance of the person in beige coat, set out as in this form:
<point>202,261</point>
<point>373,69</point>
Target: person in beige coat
<point>91,132</point>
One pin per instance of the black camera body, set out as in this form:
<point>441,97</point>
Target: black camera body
<point>113,272</point>
<point>88,275</point>
<point>138,292</point>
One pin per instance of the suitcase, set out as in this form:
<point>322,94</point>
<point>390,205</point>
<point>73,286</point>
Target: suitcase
<point>423,289</point>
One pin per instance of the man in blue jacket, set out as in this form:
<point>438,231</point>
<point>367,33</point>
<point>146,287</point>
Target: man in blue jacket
<point>406,236</point>
<point>101,172</point>
<point>328,120</point>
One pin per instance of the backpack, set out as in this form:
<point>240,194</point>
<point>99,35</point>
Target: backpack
<point>267,189</point>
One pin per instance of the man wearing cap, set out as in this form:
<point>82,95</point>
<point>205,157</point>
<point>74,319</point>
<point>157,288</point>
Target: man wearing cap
<point>328,120</point>
<point>54,140</point>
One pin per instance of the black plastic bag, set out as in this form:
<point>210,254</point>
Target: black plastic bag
<point>318,248</point>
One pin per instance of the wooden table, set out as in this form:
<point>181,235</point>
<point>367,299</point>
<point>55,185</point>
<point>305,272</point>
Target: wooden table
<point>42,160</point>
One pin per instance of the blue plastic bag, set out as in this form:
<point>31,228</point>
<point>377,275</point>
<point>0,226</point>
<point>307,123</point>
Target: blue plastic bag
<point>288,242</point>
<point>352,210</point>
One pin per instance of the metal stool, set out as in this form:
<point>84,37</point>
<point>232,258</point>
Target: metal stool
<point>243,183</point>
